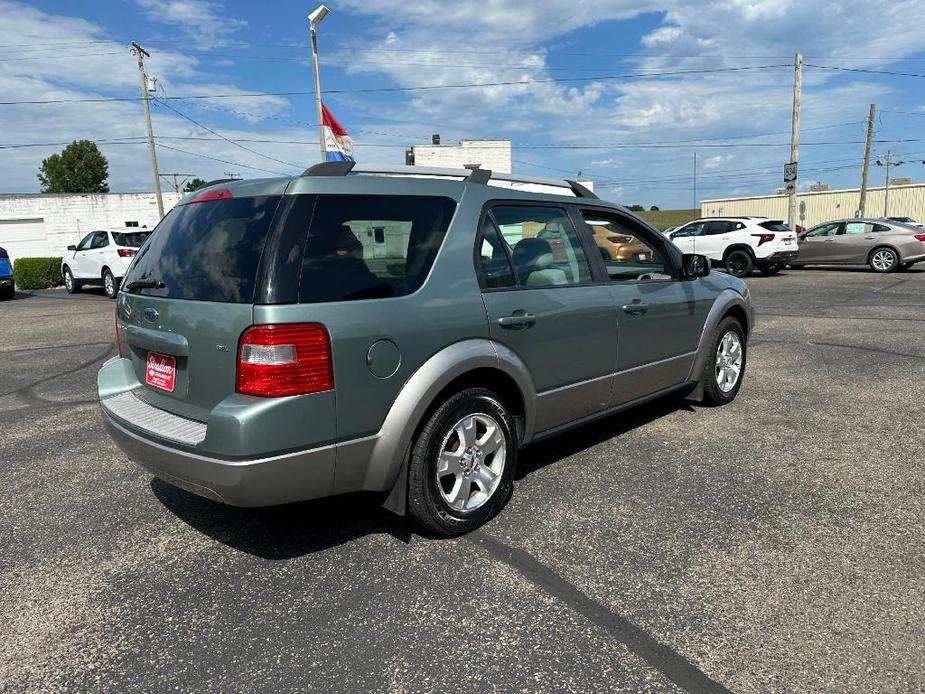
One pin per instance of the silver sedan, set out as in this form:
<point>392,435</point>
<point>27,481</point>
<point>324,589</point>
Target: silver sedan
<point>883,245</point>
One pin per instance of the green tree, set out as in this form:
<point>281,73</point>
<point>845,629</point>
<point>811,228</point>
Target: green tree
<point>654,208</point>
<point>80,168</point>
<point>194,184</point>
<point>636,208</point>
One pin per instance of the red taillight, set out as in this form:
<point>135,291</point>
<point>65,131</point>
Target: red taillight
<point>4,254</point>
<point>920,237</point>
<point>211,195</point>
<point>285,359</point>
<point>127,252</point>
<point>118,338</point>
<point>763,238</point>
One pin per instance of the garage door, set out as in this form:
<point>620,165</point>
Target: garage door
<point>24,238</point>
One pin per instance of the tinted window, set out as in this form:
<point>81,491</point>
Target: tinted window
<point>775,225</point>
<point>207,251</point>
<point>371,246</point>
<point>133,240</point>
<point>543,244</point>
<point>494,261</point>
<point>627,252</point>
<point>824,230</point>
<point>100,240</point>
<point>718,227</point>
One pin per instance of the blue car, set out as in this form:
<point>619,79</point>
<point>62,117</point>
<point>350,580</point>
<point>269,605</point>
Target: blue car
<point>6,276</point>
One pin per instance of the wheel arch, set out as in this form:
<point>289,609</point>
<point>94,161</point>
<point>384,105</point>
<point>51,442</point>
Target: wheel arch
<point>729,303</point>
<point>465,364</point>
<point>888,246</point>
<point>738,247</point>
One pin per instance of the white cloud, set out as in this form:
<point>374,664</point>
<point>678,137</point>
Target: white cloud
<point>205,23</point>
<point>713,163</point>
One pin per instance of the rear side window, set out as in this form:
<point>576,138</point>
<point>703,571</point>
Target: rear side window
<point>371,246</point>
<point>207,251</point>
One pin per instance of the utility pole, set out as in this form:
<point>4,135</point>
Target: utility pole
<point>141,54</point>
<point>870,136</point>
<point>795,136</point>
<point>887,162</point>
<point>176,182</point>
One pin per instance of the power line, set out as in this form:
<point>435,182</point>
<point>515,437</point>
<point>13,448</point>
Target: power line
<point>223,161</point>
<point>219,135</point>
<point>368,90</point>
<point>864,70</point>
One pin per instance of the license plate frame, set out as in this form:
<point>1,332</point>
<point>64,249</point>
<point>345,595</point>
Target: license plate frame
<point>161,371</point>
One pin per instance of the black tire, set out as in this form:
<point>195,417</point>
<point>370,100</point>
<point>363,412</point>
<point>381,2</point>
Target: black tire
<point>7,293</point>
<point>739,263</point>
<point>769,270</point>
<point>72,285</point>
<point>110,284</point>
<point>713,395</point>
<point>878,265</point>
<point>426,502</point>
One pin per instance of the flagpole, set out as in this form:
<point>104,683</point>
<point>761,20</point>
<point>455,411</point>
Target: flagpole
<point>313,20</point>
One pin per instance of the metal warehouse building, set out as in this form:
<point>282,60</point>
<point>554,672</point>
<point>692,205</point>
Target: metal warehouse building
<point>905,201</point>
<point>41,224</point>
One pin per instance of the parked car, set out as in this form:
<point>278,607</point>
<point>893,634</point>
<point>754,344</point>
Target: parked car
<point>7,288</point>
<point>740,244</point>
<point>904,220</point>
<point>402,331</point>
<point>101,258</point>
<point>884,246</point>
<point>614,243</point>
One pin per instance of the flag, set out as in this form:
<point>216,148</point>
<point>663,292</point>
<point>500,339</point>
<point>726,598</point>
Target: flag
<point>337,142</point>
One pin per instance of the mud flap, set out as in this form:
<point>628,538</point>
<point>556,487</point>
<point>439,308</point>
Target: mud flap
<point>397,500</point>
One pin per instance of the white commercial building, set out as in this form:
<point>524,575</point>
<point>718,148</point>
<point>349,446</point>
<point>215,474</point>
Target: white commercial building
<point>821,206</point>
<point>494,155</point>
<point>41,224</point>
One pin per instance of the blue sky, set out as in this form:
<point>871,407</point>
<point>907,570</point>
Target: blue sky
<point>574,107</point>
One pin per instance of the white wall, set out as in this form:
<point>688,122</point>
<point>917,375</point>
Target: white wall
<point>494,155</point>
<point>69,217</point>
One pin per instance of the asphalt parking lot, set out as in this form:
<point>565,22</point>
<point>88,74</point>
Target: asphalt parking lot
<point>775,545</point>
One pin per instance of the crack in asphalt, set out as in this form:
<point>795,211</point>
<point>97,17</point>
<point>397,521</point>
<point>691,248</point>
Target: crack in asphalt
<point>66,346</point>
<point>875,350</point>
<point>78,367</point>
<point>829,317</point>
<point>667,661</point>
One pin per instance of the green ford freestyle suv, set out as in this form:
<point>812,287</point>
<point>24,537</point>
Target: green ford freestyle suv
<point>403,331</point>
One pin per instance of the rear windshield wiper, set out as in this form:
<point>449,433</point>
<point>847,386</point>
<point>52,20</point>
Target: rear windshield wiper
<point>144,284</point>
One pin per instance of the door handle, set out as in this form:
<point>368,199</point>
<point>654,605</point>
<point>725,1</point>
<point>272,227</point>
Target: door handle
<point>870,238</point>
<point>518,320</point>
<point>637,308</point>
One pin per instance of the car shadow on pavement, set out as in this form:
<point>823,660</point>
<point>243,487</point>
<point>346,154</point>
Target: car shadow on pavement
<point>294,530</point>
<point>284,532</point>
<point>537,456</point>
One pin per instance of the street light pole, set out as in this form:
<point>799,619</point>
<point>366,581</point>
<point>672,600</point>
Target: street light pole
<point>314,19</point>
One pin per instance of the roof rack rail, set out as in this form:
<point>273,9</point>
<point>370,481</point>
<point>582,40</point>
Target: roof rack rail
<point>580,190</point>
<point>330,168</point>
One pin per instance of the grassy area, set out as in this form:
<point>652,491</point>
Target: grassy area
<point>669,218</point>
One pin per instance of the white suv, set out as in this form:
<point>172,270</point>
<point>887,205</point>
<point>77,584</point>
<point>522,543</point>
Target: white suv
<point>740,244</point>
<point>101,258</point>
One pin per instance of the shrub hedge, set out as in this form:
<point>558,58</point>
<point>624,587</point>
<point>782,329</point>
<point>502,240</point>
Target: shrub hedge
<point>37,273</point>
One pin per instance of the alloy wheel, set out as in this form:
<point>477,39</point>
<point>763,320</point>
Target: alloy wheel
<point>471,462</point>
<point>728,361</point>
<point>883,259</point>
<point>110,284</point>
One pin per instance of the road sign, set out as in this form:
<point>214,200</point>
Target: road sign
<point>790,187</point>
<point>802,210</point>
<point>790,172</point>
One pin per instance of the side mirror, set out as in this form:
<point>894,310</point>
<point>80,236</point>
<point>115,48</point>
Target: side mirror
<point>71,247</point>
<point>694,265</point>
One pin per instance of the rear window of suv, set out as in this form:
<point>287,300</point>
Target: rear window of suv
<point>207,251</point>
<point>774,225</point>
<point>132,240</point>
<point>371,246</point>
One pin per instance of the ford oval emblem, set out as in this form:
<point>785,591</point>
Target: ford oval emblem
<point>151,314</point>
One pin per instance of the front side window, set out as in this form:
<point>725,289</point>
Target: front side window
<point>544,247</point>
<point>628,255</point>
<point>693,229</point>
<point>86,242</point>
<point>824,230</point>
<point>371,246</point>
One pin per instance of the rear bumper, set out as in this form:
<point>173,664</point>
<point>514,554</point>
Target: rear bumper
<point>262,482</point>
<point>780,257</point>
